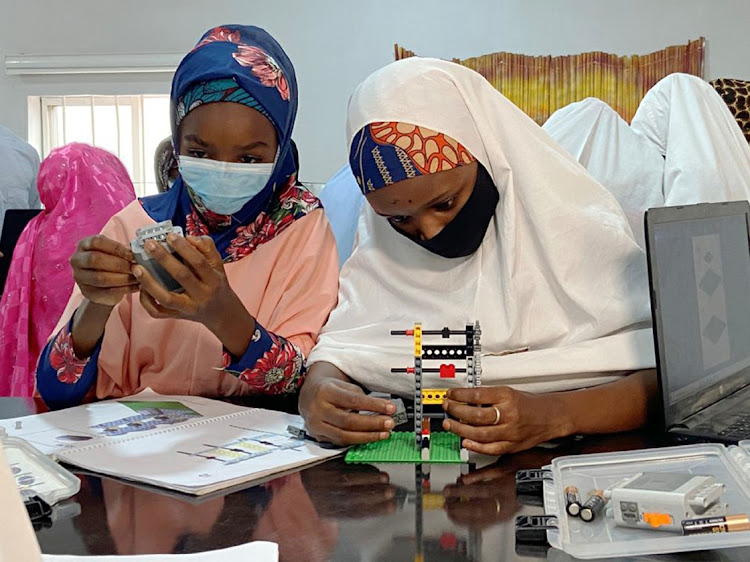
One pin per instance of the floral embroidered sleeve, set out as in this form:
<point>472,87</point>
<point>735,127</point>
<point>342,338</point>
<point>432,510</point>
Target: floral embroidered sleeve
<point>62,379</point>
<point>271,364</point>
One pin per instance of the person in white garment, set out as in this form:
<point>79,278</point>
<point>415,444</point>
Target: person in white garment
<point>474,213</point>
<point>19,163</point>
<point>682,147</point>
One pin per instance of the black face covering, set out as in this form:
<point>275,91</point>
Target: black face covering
<point>464,234</point>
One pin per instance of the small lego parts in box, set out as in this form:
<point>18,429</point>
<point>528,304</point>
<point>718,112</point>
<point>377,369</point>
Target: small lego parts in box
<point>158,233</point>
<point>662,500</point>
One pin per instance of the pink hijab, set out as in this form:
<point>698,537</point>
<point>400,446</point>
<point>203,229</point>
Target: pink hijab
<point>81,187</point>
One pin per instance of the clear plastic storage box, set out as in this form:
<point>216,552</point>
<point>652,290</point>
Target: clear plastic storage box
<point>36,474</point>
<point>601,538</point>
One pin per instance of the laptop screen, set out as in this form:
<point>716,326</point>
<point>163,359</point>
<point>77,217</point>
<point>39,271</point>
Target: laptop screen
<point>703,289</point>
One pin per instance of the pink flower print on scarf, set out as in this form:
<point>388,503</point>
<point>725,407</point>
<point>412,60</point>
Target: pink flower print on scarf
<point>220,35</point>
<point>264,68</point>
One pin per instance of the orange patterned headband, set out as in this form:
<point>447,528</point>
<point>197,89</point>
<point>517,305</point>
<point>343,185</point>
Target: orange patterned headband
<point>387,152</point>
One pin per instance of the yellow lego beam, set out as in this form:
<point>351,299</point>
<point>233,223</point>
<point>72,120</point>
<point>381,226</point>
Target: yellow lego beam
<point>434,395</point>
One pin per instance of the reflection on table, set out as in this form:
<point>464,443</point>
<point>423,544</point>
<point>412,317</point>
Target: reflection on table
<point>331,511</point>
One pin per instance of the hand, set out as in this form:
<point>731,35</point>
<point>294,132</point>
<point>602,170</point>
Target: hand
<point>101,268</point>
<point>207,295</point>
<point>330,408</point>
<point>483,497</point>
<point>349,491</point>
<point>496,420</point>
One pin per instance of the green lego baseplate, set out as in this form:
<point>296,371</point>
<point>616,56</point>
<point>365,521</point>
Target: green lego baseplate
<point>401,447</point>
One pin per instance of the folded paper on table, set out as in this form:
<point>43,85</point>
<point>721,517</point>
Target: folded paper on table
<point>186,443</point>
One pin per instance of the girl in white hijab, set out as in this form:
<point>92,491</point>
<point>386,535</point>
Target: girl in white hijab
<point>474,213</point>
<point>682,147</point>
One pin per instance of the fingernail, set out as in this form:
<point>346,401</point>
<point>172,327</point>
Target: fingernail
<point>468,443</point>
<point>384,479</point>
<point>389,494</point>
<point>150,245</point>
<point>384,435</point>
<point>388,424</point>
<point>446,425</point>
<point>171,237</point>
<point>390,408</point>
<point>137,271</point>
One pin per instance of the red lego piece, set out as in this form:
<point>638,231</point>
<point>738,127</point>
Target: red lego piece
<point>448,541</point>
<point>447,371</point>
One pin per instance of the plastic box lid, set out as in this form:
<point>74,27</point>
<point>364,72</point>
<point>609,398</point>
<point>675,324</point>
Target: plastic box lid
<point>601,538</point>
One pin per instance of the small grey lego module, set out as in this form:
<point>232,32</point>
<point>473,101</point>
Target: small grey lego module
<point>399,417</point>
<point>158,233</point>
<point>662,500</point>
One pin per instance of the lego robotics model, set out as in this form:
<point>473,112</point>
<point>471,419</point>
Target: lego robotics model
<point>469,352</point>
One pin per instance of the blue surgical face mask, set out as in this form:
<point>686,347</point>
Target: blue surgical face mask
<point>224,187</point>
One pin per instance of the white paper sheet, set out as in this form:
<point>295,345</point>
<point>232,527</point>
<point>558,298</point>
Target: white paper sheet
<point>185,443</point>
<point>87,424</point>
<point>205,457</point>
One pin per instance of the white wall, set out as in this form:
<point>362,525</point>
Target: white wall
<point>334,44</point>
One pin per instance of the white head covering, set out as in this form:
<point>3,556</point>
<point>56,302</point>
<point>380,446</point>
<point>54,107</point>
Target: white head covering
<point>19,163</point>
<point>683,147</point>
<point>558,270</point>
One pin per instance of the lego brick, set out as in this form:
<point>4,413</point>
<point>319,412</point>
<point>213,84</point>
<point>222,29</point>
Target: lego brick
<point>447,371</point>
<point>401,447</point>
<point>438,352</point>
<point>433,395</point>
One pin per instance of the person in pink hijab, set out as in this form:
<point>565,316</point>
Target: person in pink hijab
<point>81,188</point>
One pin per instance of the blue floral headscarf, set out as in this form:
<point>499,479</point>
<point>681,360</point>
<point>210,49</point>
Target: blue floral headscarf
<point>241,64</point>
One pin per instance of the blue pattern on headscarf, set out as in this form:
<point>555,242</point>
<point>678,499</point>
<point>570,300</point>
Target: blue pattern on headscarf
<point>224,89</point>
<point>377,164</point>
<point>217,59</point>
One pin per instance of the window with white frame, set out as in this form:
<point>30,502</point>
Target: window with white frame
<point>131,127</point>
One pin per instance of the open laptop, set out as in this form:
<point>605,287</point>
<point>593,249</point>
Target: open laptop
<point>13,224</point>
<point>699,275</point>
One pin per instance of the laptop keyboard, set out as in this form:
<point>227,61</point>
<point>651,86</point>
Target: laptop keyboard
<point>740,429</point>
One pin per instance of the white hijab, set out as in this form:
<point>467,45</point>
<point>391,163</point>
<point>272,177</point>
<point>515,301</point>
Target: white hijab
<point>683,147</point>
<point>558,271</point>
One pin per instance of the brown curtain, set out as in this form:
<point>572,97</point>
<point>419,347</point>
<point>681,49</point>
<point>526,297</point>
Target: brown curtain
<point>540,85</point>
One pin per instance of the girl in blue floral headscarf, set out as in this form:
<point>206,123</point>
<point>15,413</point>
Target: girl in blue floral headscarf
<point>258,265</point>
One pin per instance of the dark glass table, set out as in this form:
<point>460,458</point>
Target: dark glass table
<point>331,511</point>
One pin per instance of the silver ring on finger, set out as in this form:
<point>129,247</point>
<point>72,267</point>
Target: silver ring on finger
<point>497,415</point>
